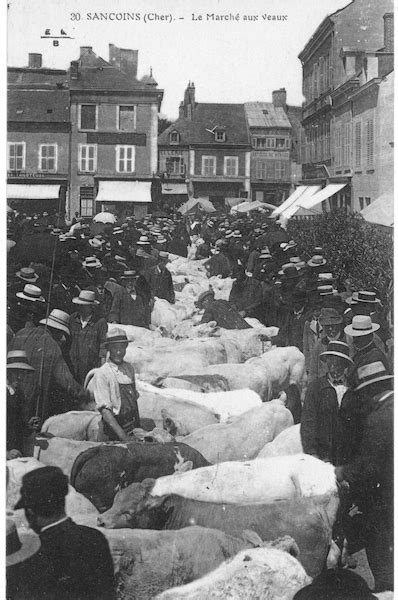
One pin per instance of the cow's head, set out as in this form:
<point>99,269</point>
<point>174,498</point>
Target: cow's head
<point>156,435</point>
<point>130,502</point>
<point>170,423</point>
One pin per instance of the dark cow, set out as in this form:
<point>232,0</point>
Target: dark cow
<point>99,473</point>
<point>307,521</point>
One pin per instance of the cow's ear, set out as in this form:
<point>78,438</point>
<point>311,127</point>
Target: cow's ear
<point>186,466</point>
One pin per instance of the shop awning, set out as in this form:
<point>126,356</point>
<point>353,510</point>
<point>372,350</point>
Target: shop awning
<point>20,191</point>
<point>124,191</point>
<point>306,195</point>
<point>289,201</point>
<point>381,211</point>
<point>174,188</point>
<point>323,194</point>
<point>195,204</point>
<point>232,201</point>
<point>247,206</point>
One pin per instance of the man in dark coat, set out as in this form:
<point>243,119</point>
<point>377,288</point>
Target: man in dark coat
<point>292,328</point>
<point>74,561</point>
<point>370,473</point>
<point>220,311</point>
<point>160,280</point>
<point>51,374</point>
<point>328,425</point>
<point>246,294</point>
<point>365,349</point>
<point>128,306</point>
<point>88,332</point>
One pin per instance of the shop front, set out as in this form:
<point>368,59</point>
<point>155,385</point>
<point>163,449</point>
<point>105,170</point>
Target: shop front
<point>35,198</point>
<point>124,198</point>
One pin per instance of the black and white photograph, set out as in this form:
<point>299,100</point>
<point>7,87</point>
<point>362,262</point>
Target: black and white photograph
<point>199,276</point>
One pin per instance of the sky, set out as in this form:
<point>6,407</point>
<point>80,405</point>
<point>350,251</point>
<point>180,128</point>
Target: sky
<point>229,60</point>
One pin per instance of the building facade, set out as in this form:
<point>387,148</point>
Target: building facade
<point>93,128</point>
<point>347,114</point>
<point>38,137</point>
<point>208,149</point>
<point>275,134</point>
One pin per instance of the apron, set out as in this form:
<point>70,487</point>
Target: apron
<point>128,417</point>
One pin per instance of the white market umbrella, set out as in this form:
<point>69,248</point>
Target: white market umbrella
<point>104,217</point>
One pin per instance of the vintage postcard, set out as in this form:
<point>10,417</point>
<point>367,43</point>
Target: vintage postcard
<point>199,229</point>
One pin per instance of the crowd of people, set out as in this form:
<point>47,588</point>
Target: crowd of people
<point>59,308</point>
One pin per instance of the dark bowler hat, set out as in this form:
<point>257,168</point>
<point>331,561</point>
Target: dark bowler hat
<point>330,316</point>
<point>42,487</point>
<point>203,295</point>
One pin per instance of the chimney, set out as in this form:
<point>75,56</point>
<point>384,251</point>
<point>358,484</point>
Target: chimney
<point>181,110</point>
<point>35,61</point>
<point>389,32</point>
<point>279,98</point>
<point>74,69</point>
<point>372,66</point>
<point>124,60</point>
<point>189,100</point>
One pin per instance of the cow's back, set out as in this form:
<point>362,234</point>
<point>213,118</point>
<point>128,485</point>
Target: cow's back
<point>305,520</point>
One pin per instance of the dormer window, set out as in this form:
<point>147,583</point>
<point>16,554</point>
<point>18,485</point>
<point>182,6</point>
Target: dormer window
<point>219,135</point>
<point>174,137</point>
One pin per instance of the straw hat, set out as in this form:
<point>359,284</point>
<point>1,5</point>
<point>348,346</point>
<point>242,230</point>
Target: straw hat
<point>130,274</point>
<point>91,262</point>
<point>27,274</point>
<point>361,325</point>
<point>20,544</point>
<point>116,336</point>
<point>85,297</point>
<point>371,373</point>
<point>57,319</point>
<point>316,261</point>
<point>17,359</point>
<point>368,297</point>
<point>143,241</point>
<point>31,293</point>
<point>337,348</point>
<point>96,243</point>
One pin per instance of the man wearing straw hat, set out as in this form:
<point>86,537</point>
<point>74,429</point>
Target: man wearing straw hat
<point>17,365</point>
<point>88,332</point>
<point>115,392</point>
<point>369,474</point>
<point>50,388</point>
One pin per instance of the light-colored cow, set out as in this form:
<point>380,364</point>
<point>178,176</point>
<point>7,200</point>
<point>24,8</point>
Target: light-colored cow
<point>286,443</point>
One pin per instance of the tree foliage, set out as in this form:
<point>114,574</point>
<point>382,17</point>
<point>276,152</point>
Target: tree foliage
<point>163,124</point>
<point>353,247</point>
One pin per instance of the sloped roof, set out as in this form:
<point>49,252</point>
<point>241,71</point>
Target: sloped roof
<point>44,78</point>
<point>33,105</point>
<point>265,114</point>
<point>207,117</point>
<point>95,73</point>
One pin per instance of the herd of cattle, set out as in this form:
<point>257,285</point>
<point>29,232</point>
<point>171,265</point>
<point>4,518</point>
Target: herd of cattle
<point>222,476</point>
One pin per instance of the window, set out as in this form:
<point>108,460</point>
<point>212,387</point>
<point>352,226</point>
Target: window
<point>88,116</point>
<point>48,157</point>
<point>338,146</point>
<point>16,156</point>
<point>87,158</point>
<point>280,143</point>
<point>361,205</point>
<point>231,166</point>
<point>346,143</point>
<point>86,201</point>
<point>369,143</point>
<point>126,121</point>
<point>175,165</point>
<point>125,159</point>
<point>259,143</point>
<point>260,169</point>
<point>270,142</point>
<point>280,169</point>
<point>259,196</point>
<point>315,77</point>
<point>271,169</point>
<point>208,165</point>
<point>358,140</point>
<point>220,135</point>
<point>367,201</point>
<point>321,74</point>
<point>174,137</point>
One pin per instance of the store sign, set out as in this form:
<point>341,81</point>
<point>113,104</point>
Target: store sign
<point>25,174</point>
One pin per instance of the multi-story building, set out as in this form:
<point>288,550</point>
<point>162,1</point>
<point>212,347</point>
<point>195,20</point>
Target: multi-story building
<point>92,129</point>
<point>275,133</point>
<point>348,108</point>
<point>38,137</point>
<point>208,149</point>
